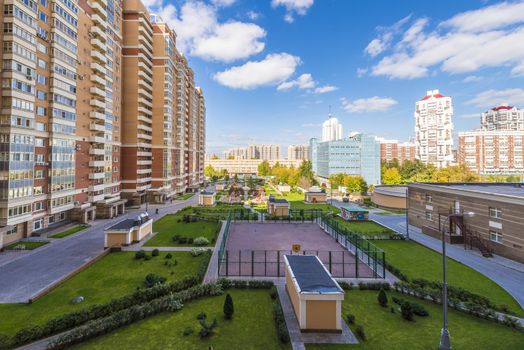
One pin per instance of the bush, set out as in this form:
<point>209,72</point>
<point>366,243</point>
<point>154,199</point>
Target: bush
<point>155,252</point>
<point>147,257</point>
<point>229,308</point>
<point>197,251</point>
<point>360,333</point>
<point>201,241</point>
<point>350,318</point>
<point>140,255</point>
<point>406,311</point>
<point>152,280</point>
<point>201,316</point>
<point>176,238</point>
<point>188,331</point>
<point>207,329</point>
<point>182,240</point>
<point>280,322</point>
<point>273,293</point>
<point>168,256</point>
<point>382,298</point>
<point>374,286</point>
<point>190,240</point>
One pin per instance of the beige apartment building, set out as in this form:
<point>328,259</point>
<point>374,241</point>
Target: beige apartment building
<point>76,125</point>
<point>392,149</point>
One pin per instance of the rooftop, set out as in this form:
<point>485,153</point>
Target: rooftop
<point>278,200</point>
<point>206,193</point>
<point>500,189</point>
<point>123,225</point>
<point>311,275</point>
<point>355,209</point>
<point>391,190</point>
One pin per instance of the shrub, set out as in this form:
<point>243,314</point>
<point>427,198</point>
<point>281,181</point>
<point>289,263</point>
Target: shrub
<point>168,256</point>
<point>229,309</point>
<point>155,252</point>
<point>147,257</point>
<point>188,331</point>
<point>197,251</point>
<point>280,322</point>
<point>190,240</point>
<point>201,316</point>
<point>152,280</point>
<point>176,238</point>
<point>182,240</point>
<point>273,293</point>
<point>359,331</point>
<point>201,241</point>
<point>382,298</point>
<point>350,318</point>
<point>392,309</point>
<point>207,329</point>
<point>140,255</point>
<point>406,311</point>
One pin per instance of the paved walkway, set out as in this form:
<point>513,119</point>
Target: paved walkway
<point>212,268</point>
<point>299,339</point>
<point>26,275</point>
<point>506,273</point>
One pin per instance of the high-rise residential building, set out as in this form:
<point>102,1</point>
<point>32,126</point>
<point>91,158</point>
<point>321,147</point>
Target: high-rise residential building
<point>433,129</point>
<point>392,149</point>
<point>492,152</point>
<point>298,152</point>
<point>236,153</point>
<point>331,129</point>
<point>502,117</point>
<point>70,128</point>
<point>266,152</point>
<point>357,155</point>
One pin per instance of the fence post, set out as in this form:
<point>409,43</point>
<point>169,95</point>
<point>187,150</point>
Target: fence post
<point>368,252</point>
<point>240,263</point>
<point>383,265</point>
<point>343,265</point>
<point>329,261</point>
<point>265,263</point>
<point>227,263</point>
<point>278,263</point>
<point>356,263</point>
<point>252,263</point>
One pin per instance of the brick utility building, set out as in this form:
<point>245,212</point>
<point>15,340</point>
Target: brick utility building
<point>497,224</point>
<point>69,127</point>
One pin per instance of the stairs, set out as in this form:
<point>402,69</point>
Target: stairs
<point>471,239</point>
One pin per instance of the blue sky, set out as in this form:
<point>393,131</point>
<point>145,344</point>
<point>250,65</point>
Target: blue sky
<point>270,69</point>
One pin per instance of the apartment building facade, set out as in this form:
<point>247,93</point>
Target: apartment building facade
<point>392,149</point>
<point>331,129</point>
<point>298,152</point>
<point>265,152</point>
<point>433,129</point>
<point>67,116</point>
<point>502,117</point>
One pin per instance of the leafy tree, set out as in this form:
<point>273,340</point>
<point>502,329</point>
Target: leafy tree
<point>209,171</point>
<point>214,156</point>
<point>228,307</point>
<point>407,311</point>
<point>264,169</point>
<point>391,176</point>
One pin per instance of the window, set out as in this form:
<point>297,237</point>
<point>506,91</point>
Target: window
<point>40,126</point>
<point>38,224</point>
<point>39,206</point>
<point>39,142</point>
<point>429,216</point>
<point>495,213</point>
<point>39,174</point>
<point>429,199</point>
<point>12,231</point>
<point>495,236</point>
<point>51,219</point>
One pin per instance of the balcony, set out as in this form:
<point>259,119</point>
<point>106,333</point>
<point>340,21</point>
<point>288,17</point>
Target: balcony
<point>98,68</point>
<point>96,176</point>
<point>144,136</point>
<point>98,8</point>
<point>96,139</point>
<point>97,55</point>
<point>143,179</point>
<point>97,103</point>
<point>97,127</point>
<point>144,154</point>
<point>96,188</point>
<point>97,151</point>
<point>98,20</point>
<point>144,127</point>
<point>96,198</point>
<point>95,30</point>
<point>143,171</point>
<point>145,102</point>
<point>144,162</point>
<point>97,79</point>
<point>96,163</point>
<point>98,44</point>
<point>97,115</point>
<point>97,91</point>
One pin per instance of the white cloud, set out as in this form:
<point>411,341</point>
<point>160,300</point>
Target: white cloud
<point>472,79</point>
<point>491,98</point>
<point>383,40</point>
<point>324,89</point>
<point>231,41</point>
<point>461,44</point>
<point>305,81</point>
<point>200,33</point>
<point>292,7</point>
<point>370,104</point>
<point>272,70</point>
<point>252,15</point>
<point>361,72</point>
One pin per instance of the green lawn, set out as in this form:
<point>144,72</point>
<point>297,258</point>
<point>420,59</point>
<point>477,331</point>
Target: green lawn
<point>69,231</point>
<point>113,276</point>
<point>364,228</point>
<point>417,261</point>
<point>28,245</point>
<point>385,330</point>
<point>184,196</point>
<point>168,226</point>
<point>306,206</point>
<point>252,327</point>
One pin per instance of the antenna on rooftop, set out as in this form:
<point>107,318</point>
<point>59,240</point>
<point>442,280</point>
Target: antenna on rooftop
<point>329,115</point>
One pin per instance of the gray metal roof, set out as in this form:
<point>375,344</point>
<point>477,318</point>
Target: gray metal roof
<point>502,189</point>
<point>311,275</point>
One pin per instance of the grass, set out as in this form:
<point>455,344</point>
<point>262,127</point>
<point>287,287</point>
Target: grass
<point>113,276</point>
<point>69,231</point>
<point>28,245</point>
<point>417,261</point>
<point>386,330</point>
<point>168,226</point>
<point>364,228</point>
<point>184,196</point>
<point>252,327</point>
<point>307,206</point>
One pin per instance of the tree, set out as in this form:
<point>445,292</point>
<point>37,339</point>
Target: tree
<point>391,176</point>
<point>382,298</point>
<point>264,169</point>
<point>209,171</point>
<point>228,307</point>
<point>407,311</point>
<point>214,156</point>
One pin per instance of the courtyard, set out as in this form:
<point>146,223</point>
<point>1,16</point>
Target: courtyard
<point>255,249</point>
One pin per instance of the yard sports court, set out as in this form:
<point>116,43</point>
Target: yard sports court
<point>256,249</point>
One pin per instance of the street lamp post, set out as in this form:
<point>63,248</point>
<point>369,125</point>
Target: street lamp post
<point>445,342</point>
